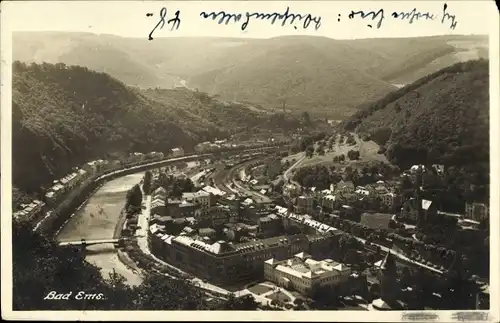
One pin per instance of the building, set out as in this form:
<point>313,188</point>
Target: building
<point>31,212</point>
<point>418,210</point>
<point>270,225</point>
<point>202,147</point>
<point>160,193</point>
<point>158,206</point>
<point>222,262</point>
<point>291,190</point>
<point>172,206</point>
<point>343,187</point>
<point>95,166</point>
<point>177,152</point>
<point>305,204</point>
<point>390,200</point>
<point>186,209</point>
<point>201,198</point>
<point>329,202</point>
<point>54,194</point>
<point>476,211</point>
<point>214,191</point>
<point>207,232</point>
<point>304,274</point>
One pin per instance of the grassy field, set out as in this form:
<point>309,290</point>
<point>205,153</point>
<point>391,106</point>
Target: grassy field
<point>368,152</point>
<point>259,289</point>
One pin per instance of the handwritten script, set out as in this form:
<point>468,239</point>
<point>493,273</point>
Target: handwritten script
<point>408,16</point>
<point>287,18</point>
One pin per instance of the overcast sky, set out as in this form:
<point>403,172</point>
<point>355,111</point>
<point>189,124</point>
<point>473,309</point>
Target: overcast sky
<point>128,18</point>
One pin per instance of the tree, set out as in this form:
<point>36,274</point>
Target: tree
<point>306,118</point>
<point>146,185</point>
<point>134,197</point>
<point>353,154</point>
<point>309,151</point>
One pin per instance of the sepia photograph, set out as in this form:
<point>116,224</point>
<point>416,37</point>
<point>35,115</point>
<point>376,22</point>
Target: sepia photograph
<point>303,160</point>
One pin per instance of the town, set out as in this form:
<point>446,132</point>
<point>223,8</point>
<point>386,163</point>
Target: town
<point>359,236</point>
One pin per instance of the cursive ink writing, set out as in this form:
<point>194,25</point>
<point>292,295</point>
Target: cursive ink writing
<point>371,14</point>
<point>222,16</point>
<point>412,15</point>
<point>306,19</point>
<point>286,17</point>
<point>176,21</point>
<point>447,16</point>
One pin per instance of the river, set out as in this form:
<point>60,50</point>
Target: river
<point>90,223</point>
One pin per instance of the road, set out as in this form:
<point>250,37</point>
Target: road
<point>297,163</point>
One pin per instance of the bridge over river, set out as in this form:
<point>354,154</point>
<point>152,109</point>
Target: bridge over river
<point>84,242</point>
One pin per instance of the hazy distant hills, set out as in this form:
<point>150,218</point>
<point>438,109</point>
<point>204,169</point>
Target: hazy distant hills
<point>441,118</point>
<point>316,74</point>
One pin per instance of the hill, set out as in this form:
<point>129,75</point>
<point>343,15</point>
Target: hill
<point>441,118</point>
<point>317,74</point>
<point>65,115</point>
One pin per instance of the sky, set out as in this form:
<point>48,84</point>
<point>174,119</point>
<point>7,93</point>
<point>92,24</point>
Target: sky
<point>128,18</point>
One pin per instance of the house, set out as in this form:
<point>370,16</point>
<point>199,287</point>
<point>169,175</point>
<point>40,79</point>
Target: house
<point>186,209</point>
<point>438,168</point>
<point>32,211</point>
<point>158,206</point>
<point>329,202</point>
<point>362,191</point>
<point>172,207</point>
<point>390,199</point>
<point>160,193</point>
<point>415,168</point>
<point>412,210</point>
<point>177,152</point>
<point>344,187</point>
<point>305,204</point>
<point>207,232</point>
<point>269,225</point>
<point>476,211</point>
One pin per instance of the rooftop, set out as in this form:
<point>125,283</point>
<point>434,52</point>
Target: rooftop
<point>303,266</point>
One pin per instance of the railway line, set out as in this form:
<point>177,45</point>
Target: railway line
<point>224,179</point>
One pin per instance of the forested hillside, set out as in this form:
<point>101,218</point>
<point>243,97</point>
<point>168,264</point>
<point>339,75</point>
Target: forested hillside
<point>441,118</point>
<point>65,115</point>
<point>315,74</point>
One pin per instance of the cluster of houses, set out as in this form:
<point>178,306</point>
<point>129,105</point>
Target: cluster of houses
<point>31,212</point>
<point>218,145</point>
<point>337,195</point>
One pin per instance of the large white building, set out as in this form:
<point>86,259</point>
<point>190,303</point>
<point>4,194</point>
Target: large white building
<point>302,273</point>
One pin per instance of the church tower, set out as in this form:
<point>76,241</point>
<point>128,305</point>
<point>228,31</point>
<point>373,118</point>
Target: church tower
<point>387,278</point>
<point>388,285</point>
